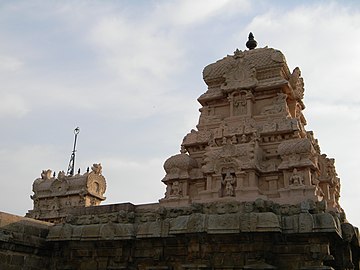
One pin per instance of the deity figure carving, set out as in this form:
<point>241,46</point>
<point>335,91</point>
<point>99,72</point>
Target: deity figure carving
<point>175,189</point>
<point>228,184</point>
<point>243,138</point>
<point>296,179</point>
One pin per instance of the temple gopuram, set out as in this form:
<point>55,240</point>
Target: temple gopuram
<point>250,189</point>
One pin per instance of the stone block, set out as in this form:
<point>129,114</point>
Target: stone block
<point>178,225</point>
<point>17,260</point>
<point>107,231</point>
<point>54,232</point>
<point>196,223</point>
<point>90,231</point>
<point>306,223</point>
<point>226,223</point>
<point>324,222</point>
<point>90,264</point>
<point>105,252</point>
<point>149,229</point>
<point>124,231</point>
<point>175,251</point>
<point>267,222</point>
<point>157,268</point>
<point>82,253</point>
<point>77,232</point>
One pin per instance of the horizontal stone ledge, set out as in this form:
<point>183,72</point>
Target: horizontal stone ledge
<point>198,223</point>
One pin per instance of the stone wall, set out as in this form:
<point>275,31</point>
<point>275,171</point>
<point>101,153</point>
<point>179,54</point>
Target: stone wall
<point>222,235</point>
<point>23,243</point>
<point>227,235</point>
<point>199,251</point>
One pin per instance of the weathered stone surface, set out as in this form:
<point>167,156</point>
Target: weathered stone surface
<point>251,141</point>
<point>23,243</point>
<point>54,196</point>
<point>211,218</point>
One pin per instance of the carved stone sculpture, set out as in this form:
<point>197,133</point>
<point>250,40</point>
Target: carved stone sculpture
<point>54,196</point>
<point>251,140</point>
<point>46,174</point>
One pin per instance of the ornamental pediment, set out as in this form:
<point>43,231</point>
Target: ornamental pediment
<point>241,75</point>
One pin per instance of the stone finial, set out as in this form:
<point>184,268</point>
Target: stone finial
<point>97,168</point>
<point>46,174</point>
<point>251,43</point>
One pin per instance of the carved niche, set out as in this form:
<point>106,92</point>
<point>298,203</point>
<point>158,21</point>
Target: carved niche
<point>241,103</point>
<point>241,74</point>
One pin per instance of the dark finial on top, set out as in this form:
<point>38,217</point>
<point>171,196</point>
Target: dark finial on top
<point>251,43</point>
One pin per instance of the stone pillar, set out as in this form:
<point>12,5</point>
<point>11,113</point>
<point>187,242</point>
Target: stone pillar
<point>253,181</point>
<point>231,101</point>
<point>208,182</point>
<point>249,103</point>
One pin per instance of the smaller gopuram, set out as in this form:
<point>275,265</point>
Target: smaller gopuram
<point>54,196</point>
<point>251,142</point>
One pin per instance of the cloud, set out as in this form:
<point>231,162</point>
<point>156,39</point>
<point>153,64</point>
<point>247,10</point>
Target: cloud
<point>9,64</point>
<point>322,39</point>
<point>136,52</point>
<point>13,105</point>
<point>188,13</point>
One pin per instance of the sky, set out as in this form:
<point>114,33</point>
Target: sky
<point>128,73</point>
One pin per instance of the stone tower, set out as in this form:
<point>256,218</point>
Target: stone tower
<point>55,196</point>
<point>251,140</point>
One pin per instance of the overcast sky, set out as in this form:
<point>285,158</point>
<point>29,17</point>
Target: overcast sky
<point>128,73</point>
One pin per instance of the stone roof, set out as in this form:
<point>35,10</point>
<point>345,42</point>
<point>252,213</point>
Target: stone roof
<point>261,67</point>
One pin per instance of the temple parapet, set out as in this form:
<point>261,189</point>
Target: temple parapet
<point>54,195</point>
<point>251,140</point>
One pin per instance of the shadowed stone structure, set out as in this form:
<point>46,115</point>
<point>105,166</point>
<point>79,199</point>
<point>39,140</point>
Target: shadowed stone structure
<point>250,189</point>
<point>54,196</point>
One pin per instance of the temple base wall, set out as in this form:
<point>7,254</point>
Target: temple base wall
<point>217,236</point>
<point>200,251</point>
